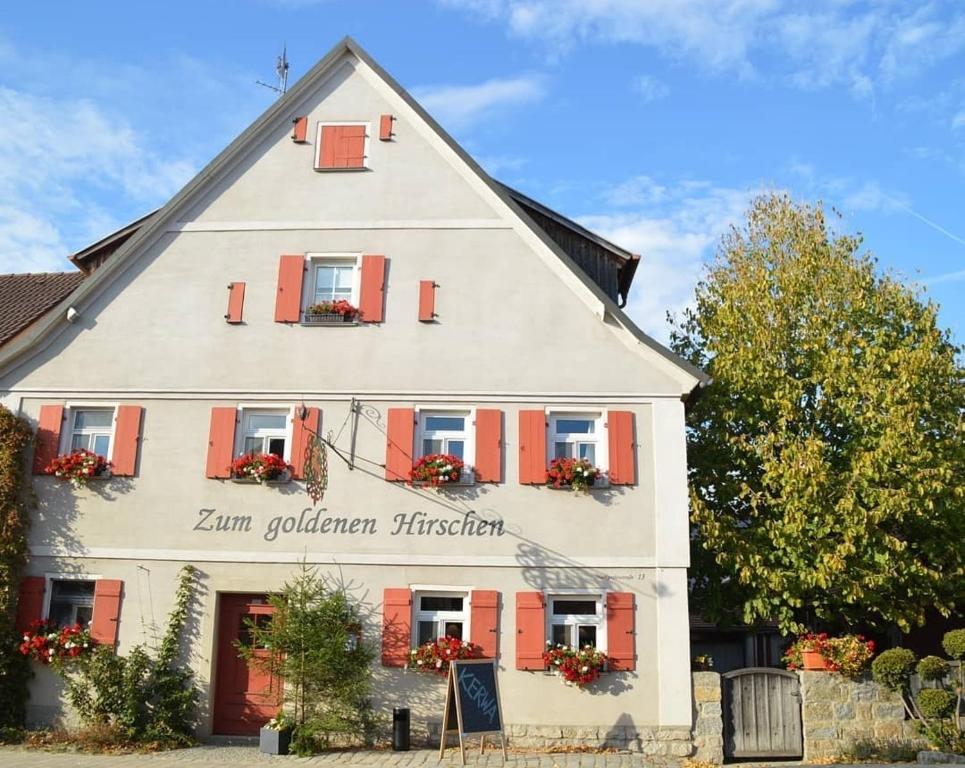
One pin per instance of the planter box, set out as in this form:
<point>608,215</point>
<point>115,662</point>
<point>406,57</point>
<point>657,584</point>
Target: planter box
<point>274,742</point>
<point>329,319</point>
<point>283,479</point>
<point>813,660</point>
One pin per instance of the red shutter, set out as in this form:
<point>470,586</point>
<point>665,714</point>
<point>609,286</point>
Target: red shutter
<point>48,436</point>
<point>530,630</point>
<point>532,447</point>
<point>620,637</point>
<point>396,627</point>
<point>399,443</point>
<point>372,299</point>
<point>221,442</point>
<point>300,130</point>
<point>350,146</point>
<point>236,302</point>
<point>30,604</point>
<point>107,610</point>
<point>288,301</point>
<point>302,431</point>
<point>127,432</point>
<point>484,614</point>
<point>385,128</point>
<point>427,301</point>
<point>622,470</point>
<point>326,147</point>
<point>489,445</point>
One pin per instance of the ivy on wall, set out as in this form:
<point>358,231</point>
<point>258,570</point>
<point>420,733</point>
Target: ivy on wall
<point>16,500</point>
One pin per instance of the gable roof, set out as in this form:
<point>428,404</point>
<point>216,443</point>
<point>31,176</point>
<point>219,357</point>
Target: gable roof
<point>26,297</point>
<point>95,254</point>
<point>155,224</point>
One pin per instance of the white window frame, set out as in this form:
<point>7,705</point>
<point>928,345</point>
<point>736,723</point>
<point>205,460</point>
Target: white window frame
<point>246,410</point>
<point>316,259</point>
<point>575,620</point>
<point>367,124</point>
<point>468,475</point>
<point>440,617</point>
<point>70,414</point>
<point>50,578</point>
<point>601,441</point>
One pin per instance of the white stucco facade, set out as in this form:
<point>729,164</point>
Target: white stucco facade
<point>516,330</point>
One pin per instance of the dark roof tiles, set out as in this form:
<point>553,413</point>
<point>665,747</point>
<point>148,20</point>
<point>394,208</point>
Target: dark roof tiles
<point>26,297</point>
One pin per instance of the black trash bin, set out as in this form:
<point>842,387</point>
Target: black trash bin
<point>400,729</point>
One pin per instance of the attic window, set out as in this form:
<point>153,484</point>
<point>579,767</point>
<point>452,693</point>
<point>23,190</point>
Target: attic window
<point>341,146</point>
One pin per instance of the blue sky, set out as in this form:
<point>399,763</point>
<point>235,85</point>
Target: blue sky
<point>651,121</point>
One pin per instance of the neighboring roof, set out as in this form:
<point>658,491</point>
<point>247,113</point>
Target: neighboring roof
<point>590,251</point>
<point>91,257</point>
<point>26,297</point>
<point>280,111</point>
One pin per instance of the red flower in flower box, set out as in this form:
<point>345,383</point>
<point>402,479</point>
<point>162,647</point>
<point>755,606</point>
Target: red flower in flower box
<point>435,655</point>
<point>260,467</point>
<point>577,474</point>
<point>78,467</point>
<point>49,644</point>
<point>575,666</point>
<point>436,469</point>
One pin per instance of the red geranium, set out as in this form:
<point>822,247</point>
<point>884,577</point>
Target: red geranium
<point>435,655</point>
<point>337,307</point>
<point>578,667</point>
<point>48,643</point>
<point>78,467</point>
<point>437,469</point>
<point>578,474</point>
<point>260,466</point>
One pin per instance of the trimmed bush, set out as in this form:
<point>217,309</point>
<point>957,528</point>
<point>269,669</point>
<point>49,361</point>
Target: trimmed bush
<point>892,668</point>
<point>932,668</point>
<point>954,643</point>
<point>936,703</point>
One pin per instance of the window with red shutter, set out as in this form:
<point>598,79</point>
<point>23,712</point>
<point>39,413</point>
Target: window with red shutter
<point>396,626</point>
<point>127,436</point>
<point>341,147</point>
<point>107,611</point>
<point>484,623</point>
<point>48,436</point>
<point>489,445</point>
<point>532,448</point>
<point>621,642</point>
<point>399,444</point>
<point>236,303</point>
<point>530,630</point>
<point>622,464</point>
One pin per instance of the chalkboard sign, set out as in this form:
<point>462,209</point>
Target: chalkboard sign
<point>472,704</point>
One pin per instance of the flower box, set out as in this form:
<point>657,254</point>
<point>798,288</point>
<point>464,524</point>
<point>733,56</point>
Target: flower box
<point>274,742</point>
<point>813,660</point>
<point>282,479</point>
<point>438,470</point>
<point>574,475</point>
<point>261,468</point>
<point>79,467</point>
<point>330,318</point>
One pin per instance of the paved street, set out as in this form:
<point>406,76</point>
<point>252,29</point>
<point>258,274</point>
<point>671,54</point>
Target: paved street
<point>213,756</point>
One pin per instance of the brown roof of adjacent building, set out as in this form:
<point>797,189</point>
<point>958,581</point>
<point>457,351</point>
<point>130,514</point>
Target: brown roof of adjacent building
<point>25,298</point>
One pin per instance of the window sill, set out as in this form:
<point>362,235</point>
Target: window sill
<point>251,481</point>
<point>467,479</point>
<point>603,485</point>
<point>355,168</point>
<point>335,320</point>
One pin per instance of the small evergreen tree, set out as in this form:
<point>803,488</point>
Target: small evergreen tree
<point>314,643</point>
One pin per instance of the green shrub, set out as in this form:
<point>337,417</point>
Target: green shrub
<point>954,643</point>
<point>892,668</point>
<point>881,751</point>
<point>936,703</point>
<point>932,668</point>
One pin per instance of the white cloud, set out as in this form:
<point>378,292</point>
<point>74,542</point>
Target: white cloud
<point>458,105</point>
<point>675,228</point>
<point>60,163</point>
<point>650,88</point>
<point>849,43</point>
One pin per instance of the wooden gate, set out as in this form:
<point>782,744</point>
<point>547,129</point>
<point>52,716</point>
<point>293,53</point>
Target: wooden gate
<point>762,713</point>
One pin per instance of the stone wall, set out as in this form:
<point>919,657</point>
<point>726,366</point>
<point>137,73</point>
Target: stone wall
<point>708,733</point>
<point>837,711</point>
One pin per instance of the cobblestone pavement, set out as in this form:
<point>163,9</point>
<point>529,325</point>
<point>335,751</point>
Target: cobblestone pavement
<point>213,756</point>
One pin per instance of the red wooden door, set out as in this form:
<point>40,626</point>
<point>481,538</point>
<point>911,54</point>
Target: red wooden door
<point>246,697</point>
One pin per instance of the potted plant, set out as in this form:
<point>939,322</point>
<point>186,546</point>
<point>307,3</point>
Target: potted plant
<point>437,469</point>
<point>48,643</point>
<point>435,655</point>
<point>338,311</point>
<point>275,736</point>
<point>807,652</point>
<point>574,666</point>
<point>573,474</point>
<point>79,467</point>
<point>849,654</point>
<point>260,468</point>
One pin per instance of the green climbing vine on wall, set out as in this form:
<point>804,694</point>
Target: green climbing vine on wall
<point>16,501</point>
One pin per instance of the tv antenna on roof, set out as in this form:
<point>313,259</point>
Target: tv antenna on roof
<point>281,69</point>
